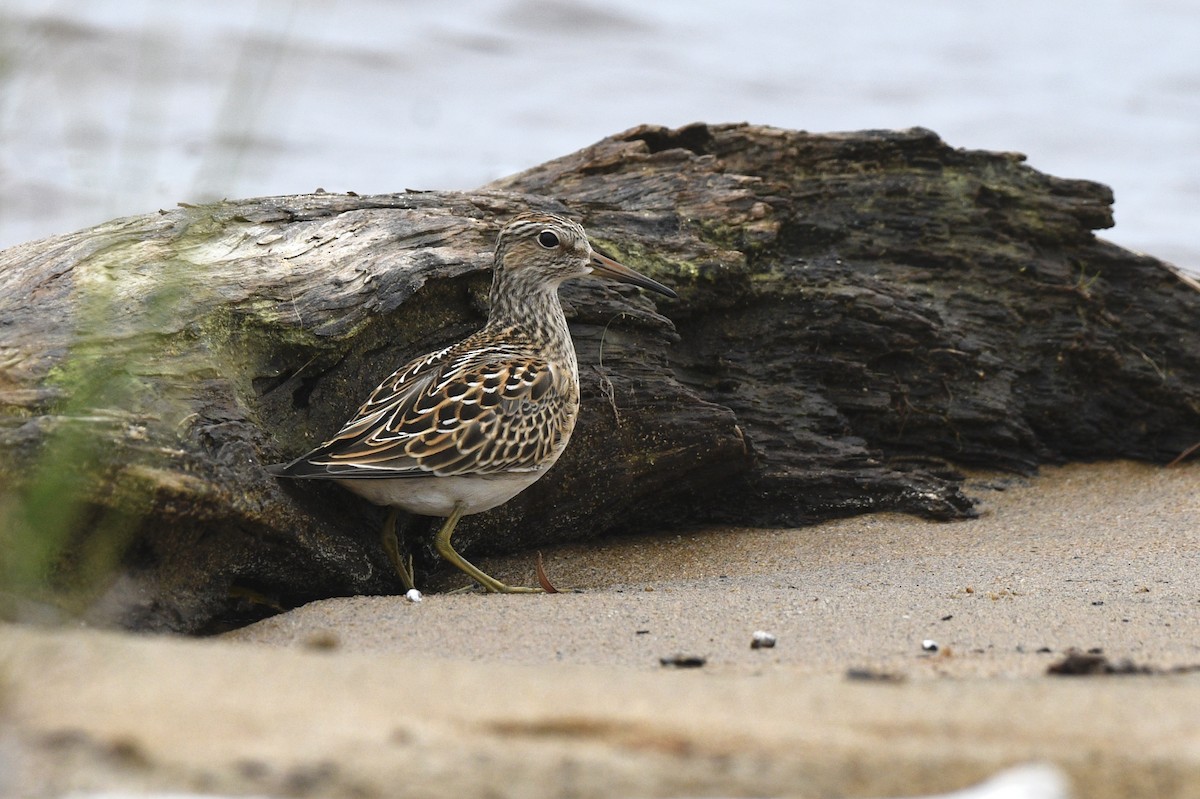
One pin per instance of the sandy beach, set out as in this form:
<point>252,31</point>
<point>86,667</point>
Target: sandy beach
<point>911,657</point>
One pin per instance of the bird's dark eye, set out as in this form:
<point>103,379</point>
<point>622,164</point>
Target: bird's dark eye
<point>547,239</point>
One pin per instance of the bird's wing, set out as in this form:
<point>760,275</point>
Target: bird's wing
<point>479,411</point>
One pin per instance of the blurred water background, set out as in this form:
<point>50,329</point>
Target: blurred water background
<point>118,107</point>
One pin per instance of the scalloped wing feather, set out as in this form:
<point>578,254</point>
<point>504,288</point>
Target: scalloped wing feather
<point>482,410</point>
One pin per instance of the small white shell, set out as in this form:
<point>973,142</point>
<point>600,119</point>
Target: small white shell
<point>413,595</point>
<point>929,645</point>
<point>762,640</point>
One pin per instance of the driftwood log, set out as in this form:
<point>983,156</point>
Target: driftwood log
<point>857,312</point>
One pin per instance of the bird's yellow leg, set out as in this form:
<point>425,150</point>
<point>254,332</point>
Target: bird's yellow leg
<point>442,544</point>
<point>391,545</point>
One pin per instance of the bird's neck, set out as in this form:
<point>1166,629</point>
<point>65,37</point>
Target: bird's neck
<point>530,310</point>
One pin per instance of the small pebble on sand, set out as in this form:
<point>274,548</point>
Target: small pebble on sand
<point>762,640</point>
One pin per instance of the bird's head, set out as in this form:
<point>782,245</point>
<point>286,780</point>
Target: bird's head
<point>550,249</point>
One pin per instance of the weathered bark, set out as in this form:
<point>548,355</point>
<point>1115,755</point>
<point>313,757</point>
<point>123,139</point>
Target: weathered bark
<point>856,311</point>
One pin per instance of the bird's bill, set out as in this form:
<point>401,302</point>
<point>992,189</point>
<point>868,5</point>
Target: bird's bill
<point>603,266</point>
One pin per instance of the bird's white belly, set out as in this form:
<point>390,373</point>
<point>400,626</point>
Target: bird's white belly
<point>437,496</point>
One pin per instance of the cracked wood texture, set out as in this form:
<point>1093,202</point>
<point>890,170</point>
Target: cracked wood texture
<point>857,312</point>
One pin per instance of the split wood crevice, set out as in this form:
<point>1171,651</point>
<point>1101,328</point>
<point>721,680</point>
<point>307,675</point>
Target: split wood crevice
<point>857,313</point>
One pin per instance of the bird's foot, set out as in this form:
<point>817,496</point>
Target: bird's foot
<point>403,563</point>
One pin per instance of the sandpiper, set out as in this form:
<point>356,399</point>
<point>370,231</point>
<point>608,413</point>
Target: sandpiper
<point>467,428</point>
